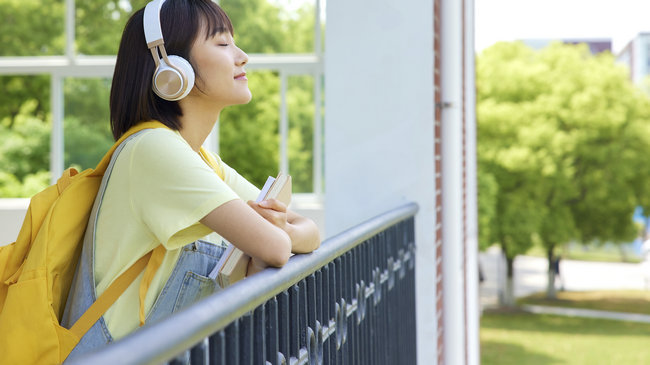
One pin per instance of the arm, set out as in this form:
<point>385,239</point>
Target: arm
<point>265,243</point>
<point>302,231</point>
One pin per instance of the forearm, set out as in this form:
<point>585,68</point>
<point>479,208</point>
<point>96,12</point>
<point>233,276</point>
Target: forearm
<point>301,231</point>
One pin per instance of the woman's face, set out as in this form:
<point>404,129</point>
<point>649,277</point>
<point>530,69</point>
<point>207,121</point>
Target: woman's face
<point>219,66</point>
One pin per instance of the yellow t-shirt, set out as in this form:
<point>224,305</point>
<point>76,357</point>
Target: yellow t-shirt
<point>158,191</point>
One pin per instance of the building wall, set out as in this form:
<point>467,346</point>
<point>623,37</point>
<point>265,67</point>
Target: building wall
<point>636,56</point>
<point>12,214</point>
<point>379,128</point>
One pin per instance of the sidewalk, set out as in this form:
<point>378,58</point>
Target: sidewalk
<point>531,277</point>
<point>588,313</point>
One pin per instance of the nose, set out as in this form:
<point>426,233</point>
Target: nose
<point>242,58</point>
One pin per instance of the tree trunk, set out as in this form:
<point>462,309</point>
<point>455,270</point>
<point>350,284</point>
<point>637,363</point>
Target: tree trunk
<point>509,293</point>
<point>621,250</point>
<point>550,285</point>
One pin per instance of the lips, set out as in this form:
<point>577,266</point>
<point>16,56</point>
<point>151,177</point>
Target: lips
<point>241,76</point>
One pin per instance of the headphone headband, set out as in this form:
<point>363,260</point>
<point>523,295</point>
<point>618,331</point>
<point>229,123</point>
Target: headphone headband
<point>151,21</point>
<point>173,78</point>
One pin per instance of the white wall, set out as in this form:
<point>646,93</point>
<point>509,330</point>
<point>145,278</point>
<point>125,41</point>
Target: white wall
<point>379,127</point>
<point>12,213</point>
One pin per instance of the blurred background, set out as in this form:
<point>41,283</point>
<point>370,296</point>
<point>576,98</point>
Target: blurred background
<point>563,118</point>
<point>563,139</point>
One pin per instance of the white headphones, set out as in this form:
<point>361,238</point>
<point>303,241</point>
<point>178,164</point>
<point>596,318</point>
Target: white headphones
<point>173,78</point>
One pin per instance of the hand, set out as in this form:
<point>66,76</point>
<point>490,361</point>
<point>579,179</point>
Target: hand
<point>273,211</point>
<point>255,266</point>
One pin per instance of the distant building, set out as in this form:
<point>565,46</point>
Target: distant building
<point>596,45</point>
<point>636,55</point>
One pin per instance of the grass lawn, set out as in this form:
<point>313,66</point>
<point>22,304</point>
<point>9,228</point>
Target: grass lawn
<point>513,337</point>
<point>631,301</point>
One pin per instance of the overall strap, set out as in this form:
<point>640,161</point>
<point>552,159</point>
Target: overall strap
<point>122,282</point>
<point>109,296</point>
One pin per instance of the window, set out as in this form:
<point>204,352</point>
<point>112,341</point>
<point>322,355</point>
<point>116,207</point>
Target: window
<point>57,63</point>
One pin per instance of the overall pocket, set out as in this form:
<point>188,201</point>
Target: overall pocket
<point>193,288</point>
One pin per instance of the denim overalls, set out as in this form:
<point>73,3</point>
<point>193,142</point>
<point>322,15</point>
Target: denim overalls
<point>187,283</point>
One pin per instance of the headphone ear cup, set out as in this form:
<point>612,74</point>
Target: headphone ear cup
<point>187,69</point>
<point>169,83</point>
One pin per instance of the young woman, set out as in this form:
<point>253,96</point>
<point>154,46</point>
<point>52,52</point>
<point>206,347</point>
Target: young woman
<point>161,190</point>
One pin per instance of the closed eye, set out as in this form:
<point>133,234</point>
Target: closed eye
<point>223,44</point>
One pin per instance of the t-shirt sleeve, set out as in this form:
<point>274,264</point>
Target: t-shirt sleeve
<point>242,187</point>
<point>172,188</point>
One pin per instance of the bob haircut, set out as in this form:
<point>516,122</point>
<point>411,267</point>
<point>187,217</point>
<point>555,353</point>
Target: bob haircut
<point>132,98</point>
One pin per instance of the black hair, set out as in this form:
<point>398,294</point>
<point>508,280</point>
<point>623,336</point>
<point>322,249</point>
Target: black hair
<point>132,98</point>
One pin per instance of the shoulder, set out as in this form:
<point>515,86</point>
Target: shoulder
<point>158,138</point>
<point>157,143</point>
<point>160,150</point>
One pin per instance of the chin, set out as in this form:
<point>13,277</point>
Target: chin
<point>246,98</point>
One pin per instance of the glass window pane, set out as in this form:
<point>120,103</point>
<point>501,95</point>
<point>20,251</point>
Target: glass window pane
<point>272,26</point>
<point>300,102</point>
<point>32,28</point>
<point>248,134</point>
<point>25,123</point>
<point>99,24</point>
<point>87,134</point>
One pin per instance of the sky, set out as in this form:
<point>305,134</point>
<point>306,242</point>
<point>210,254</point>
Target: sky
<point>508,20</point>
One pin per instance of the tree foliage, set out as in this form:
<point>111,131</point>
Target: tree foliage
<point>565,135</point>
<point>249,133</point>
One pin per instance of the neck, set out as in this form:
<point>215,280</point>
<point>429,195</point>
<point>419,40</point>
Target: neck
<point>197,122</point>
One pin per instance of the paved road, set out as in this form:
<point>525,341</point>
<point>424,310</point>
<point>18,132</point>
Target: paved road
<point>530,275</point>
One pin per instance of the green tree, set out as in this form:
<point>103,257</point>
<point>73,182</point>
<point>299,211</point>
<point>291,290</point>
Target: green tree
<point>565,135</point>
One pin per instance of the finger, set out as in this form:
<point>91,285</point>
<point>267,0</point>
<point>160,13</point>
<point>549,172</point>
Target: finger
<point>276,217</point>
<point>273,204</point>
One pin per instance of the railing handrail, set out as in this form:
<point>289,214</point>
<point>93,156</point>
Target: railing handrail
<point>162,341</point>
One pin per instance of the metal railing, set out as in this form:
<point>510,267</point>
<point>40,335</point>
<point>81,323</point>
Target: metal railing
<point>350,302</point>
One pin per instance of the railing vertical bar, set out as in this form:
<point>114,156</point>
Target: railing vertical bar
<point>341,325</point>
<point>199,353</point>
<point>372,262</point>
<point>294,322</point>
<point>246,339</point>
<point>325,300</point>
<point>311,315</point>
<point>383,304</point>
<point>302,310</point>
<point>271,331</point>
<point>411,293</point>
<point>311,301</point>
<point>349,282</point>
<point>367,279</point>
<point>335,355</point>
<point>355,268</point>
<point>259,335</point>
<point>283,324</point>
<point>218,348</point>
<point>390,238</point>
<point>232,343</point>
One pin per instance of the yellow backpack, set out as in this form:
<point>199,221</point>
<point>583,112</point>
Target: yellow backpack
<point>36,271</point>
